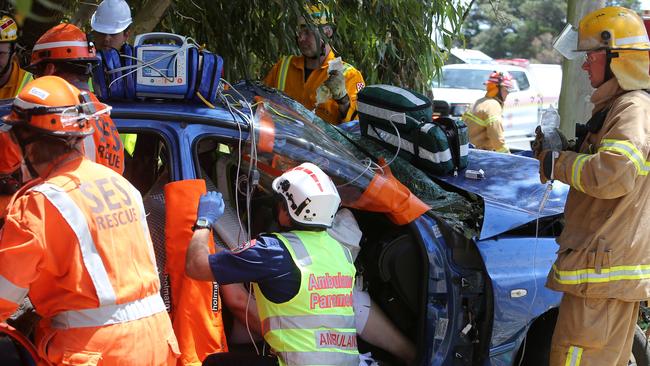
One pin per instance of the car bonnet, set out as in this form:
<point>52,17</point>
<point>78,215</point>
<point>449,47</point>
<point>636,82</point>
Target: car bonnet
<point>511,191</point>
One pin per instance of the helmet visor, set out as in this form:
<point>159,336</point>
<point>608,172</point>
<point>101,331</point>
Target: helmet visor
<point>86,111</point>
<point>567,43</point>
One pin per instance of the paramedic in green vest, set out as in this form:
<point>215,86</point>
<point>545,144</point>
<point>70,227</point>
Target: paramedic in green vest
<point>485,119</point>
<point>65,51</point>
<point>303,278</point>
<point>307,78</point>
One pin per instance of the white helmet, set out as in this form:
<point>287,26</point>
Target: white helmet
<point>310,195</point>
<point>111,17</point>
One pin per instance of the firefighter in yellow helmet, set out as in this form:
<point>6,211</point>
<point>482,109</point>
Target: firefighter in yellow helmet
<point>301,77</point>
<point>603,263</point>
<point>485,119</point>
<point>11,75</point>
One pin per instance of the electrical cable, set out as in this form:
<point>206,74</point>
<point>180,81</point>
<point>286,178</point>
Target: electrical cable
<point>542,204</point>
<point>371,163</point>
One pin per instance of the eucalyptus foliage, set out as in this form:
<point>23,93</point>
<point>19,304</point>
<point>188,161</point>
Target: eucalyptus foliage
<point>389,41</point>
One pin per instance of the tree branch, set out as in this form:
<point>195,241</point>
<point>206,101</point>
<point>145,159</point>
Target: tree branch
<point>149,16</point>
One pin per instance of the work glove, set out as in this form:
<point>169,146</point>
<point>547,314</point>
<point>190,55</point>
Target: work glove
<point>211,207</point>
<point>336,84</point>
<point>546,158</point>
<point>540,143</point>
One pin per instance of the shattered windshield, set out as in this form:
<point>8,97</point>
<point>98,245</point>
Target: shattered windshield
<point>287,134</point>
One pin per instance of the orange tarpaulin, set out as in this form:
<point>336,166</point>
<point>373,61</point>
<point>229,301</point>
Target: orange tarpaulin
<point>195,305</point>
<point>386,194</point>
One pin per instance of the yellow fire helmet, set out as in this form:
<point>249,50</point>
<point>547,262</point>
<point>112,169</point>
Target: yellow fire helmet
<point>320,14</point>
<point>616,29</point>
<point>8,29</point>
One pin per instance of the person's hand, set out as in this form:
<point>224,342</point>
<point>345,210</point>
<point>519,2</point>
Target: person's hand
<point>211,207</point>
<point>555,134</point>
<point>336,84</point>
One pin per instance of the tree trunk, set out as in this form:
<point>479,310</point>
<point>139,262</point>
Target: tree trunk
<point>575,106</point>
<point>149,16</point>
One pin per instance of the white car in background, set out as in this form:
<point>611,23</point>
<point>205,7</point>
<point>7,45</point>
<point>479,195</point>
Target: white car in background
<point>461,85</point>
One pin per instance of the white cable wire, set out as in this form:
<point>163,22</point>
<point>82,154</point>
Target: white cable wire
<point>371,163</point>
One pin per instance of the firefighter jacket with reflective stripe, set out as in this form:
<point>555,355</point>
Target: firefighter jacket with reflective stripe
<point>288,75</point>
<point>485,125</point>
<point>15,82</point>
<point>604,247</point>
<point>315,327</point>
<point>78,242</point>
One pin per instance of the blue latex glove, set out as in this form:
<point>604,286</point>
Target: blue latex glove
<point>210,207</point>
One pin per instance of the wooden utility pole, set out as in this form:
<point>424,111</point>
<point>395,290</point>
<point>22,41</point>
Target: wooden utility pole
<point>575,106</point>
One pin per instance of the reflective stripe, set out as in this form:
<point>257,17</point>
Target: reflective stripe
<point>302,255</point>
<point>464,150</point>
<point>417,101</point>
<point>75,218</point>
<point>625,147</point>
<point>43,46</point>
<point>439,157</point>
<point>284,70</point>
<point>308,322</point>
<point>574,356</point>
<point>381,113</point>
<point>471,117</point>
<point>11,292</point>
<point>632,40</point>
<point>576,171</point>
<point>610,274</point>
<point>89,148</point>
<point>27,77</point>
<point>319,358</point>
<point>135,195</point>
<point>391,139</point>
<point>110,314</point>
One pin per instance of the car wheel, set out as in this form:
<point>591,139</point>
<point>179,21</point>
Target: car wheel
<point>640,349</point>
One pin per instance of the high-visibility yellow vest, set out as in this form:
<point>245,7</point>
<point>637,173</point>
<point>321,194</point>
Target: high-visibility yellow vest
<point>315,327</point>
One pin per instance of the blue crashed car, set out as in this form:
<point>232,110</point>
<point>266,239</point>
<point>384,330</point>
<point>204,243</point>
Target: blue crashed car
<point>464,281</point>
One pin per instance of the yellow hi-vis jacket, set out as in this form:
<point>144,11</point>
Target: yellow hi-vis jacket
<point>485,125</point>
<point>17,79</point>
<point>605,246</point>
<point>315,327</point>
<point>288,75</point>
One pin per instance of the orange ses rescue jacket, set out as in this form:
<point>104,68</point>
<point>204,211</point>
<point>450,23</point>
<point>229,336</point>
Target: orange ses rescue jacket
<point>288,75</point>
<point>105,147</point>
<point>78,243</point>
<point>604,247</point>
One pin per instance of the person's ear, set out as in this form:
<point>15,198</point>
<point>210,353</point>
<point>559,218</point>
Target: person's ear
<point>49,69</point>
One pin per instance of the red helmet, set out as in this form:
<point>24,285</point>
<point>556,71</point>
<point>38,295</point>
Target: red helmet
<point>53,106</point>
<point>501,79</point>
<point>63,43</point>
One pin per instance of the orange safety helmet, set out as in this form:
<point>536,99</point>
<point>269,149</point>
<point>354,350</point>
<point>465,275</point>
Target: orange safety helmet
<point>55,107</point>
<point>63,43</point>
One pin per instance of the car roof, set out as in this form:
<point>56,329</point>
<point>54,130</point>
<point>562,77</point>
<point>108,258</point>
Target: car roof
<point>491,67</point>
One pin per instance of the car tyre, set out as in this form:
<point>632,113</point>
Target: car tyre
<point>640,349</point>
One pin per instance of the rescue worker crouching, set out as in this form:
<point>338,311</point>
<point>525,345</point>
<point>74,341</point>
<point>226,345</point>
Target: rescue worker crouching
<point>303,278</point>
<point>100,301</point>
<point>65,51</point>
<point>602,263</point>
<point>485,119</point>
<point>301,77</point>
